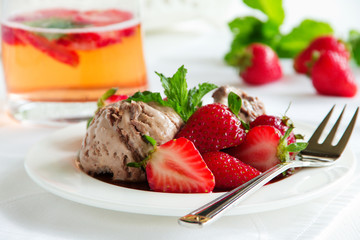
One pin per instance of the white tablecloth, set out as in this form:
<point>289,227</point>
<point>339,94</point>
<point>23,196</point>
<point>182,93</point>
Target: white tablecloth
<point>29,212</point>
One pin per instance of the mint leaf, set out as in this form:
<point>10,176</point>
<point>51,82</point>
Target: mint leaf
<point>296,147</point>
<point>295,41</point>
<point>185,102</point>
<point>271,8</point>
<point>146,97</point>
<point>245,30</point>
<point>106,95</point>
<point>195,96</point>
<point>150,140</point>
<point>53,22</point>
<point>234,103</point>
<point>354,41</point>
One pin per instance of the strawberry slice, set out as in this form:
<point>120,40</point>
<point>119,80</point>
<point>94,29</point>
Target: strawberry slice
<point>53,50</point>
<point>91,40</point>
<point>8,35</point>
<point>103,17</point>
<point>177,167</point>
<point>229,172</point>
<point>265,147</point>
<point>259,148</point>
<point>115,98</point>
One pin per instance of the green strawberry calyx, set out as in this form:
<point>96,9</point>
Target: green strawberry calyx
<point>284,148</point>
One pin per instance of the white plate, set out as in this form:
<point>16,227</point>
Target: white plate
<point>51,164</point>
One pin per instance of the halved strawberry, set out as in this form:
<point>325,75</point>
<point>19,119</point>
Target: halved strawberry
<point>282,124</point>
<point>51,49</point>
<point>213,127</point>
<point>265,147</point>
<point>229,172</point>
<point>177,166</point>
<point>103,17</point>
<point>259,148</point>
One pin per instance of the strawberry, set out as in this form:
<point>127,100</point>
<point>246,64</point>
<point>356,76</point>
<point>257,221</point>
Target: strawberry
<point>331,75</point>
<point>177,167</point>
<point>229,172</point>
<point>115,98</point>
<point>8,35</point>
<point>264,147</point>
<point>259,148</point>
<point>259,64</point>
<point>92,40</point>
<point>51,49</point>
<point>282,124</point>
<point>320,44</point>
<point>213,127</point>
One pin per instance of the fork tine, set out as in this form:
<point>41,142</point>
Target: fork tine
<point>333,130</point>
<point>316,135</point>
<point>346,136</point>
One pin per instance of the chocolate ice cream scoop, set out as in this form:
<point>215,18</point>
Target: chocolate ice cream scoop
<point>251,107</point>
<point>115,137</point>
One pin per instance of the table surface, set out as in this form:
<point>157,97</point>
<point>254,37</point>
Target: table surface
<point>28,211</point>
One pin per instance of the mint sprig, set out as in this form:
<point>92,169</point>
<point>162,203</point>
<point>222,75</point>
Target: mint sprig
<point>183,101</point>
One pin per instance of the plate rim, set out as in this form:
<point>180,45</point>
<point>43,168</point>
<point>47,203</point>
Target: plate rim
<point>166,211</point>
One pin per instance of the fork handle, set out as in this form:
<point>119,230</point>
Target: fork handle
<point>214,209</point>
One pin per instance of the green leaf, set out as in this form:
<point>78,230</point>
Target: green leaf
<point>89,122</point>
<point>146,97</point>
<point>196,94</point>
<point>296,147</point>
<point>354,41</point>
<point>53,22</point>
<point>175,88</point>
<point>183,101</point>
<point>245,30</point>
<point>234,103</point>
<point>295,41</point>
<point>135,164</point>
<point>106,95</point>
<point>271,8</point>
<point>150,140</point>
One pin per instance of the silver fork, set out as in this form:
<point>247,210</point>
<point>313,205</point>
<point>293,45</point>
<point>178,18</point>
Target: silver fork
<point>315,155</point>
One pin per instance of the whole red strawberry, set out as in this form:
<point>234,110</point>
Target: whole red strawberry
<point>331,75</point>
<point>213,127</point>
<point>259,65</point>
<point>320,44</point>
<point>229,172</point>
